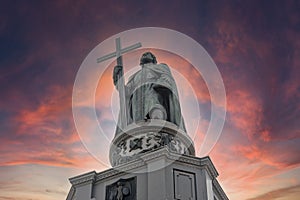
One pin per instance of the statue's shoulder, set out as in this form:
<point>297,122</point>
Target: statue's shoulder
<point>133,75</point>
<point>164,66</point>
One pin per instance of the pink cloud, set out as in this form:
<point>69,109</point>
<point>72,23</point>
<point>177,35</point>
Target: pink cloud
<point>47,135</point>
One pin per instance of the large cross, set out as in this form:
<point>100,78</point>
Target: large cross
<point>121,82</point>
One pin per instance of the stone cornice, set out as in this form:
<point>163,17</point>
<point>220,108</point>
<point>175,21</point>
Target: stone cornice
<point>71,193</point>
<point>86,178</point>
<point>163,152</point>
<point>119,170</point>
<point>204,162</point>
<point>218,189</point>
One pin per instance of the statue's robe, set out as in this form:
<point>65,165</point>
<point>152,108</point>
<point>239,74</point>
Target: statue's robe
<point>152,86</point>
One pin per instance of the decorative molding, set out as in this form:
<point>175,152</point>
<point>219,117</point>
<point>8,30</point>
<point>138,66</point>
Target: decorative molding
<point>93,177</point>
<point>86,178</point>
<point>162,152</point>
<point>206,161</point>
<point>218,189</point>
<point>148,136</point>
<point>71,193</point>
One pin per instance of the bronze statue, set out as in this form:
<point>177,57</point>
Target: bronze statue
<point>151,93</point>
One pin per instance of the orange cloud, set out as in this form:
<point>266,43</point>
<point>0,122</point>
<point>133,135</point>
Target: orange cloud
<point>46,135</point>
<point>291,193</point>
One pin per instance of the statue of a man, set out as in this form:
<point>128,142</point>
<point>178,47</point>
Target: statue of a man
<point>151,93</point>
<point>119,191</point>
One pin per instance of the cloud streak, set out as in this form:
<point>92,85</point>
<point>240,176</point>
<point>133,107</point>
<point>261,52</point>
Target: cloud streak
<point>254,44</point>
<point>291,192</point>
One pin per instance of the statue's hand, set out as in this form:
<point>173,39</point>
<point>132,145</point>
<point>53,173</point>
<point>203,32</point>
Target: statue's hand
<point>117,71</point>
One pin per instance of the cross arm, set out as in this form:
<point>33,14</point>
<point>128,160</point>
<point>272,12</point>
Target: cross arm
<point>114,54</point>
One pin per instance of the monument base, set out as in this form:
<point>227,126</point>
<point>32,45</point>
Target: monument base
<point>157,175</point>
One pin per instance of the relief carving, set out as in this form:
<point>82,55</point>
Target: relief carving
<point>130,148</point>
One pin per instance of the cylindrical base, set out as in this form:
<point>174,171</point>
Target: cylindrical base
<point>147,136</point>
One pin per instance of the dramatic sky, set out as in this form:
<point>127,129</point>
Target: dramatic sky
<point>255,44</point>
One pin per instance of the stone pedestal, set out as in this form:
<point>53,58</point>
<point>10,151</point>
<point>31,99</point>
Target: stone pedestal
<point>146,136</point>
<point>160,174</point>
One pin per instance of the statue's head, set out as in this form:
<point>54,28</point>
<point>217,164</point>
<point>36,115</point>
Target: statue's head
<point>148,57</point>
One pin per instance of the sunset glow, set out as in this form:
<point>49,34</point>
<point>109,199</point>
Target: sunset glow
<point>255,44</point>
